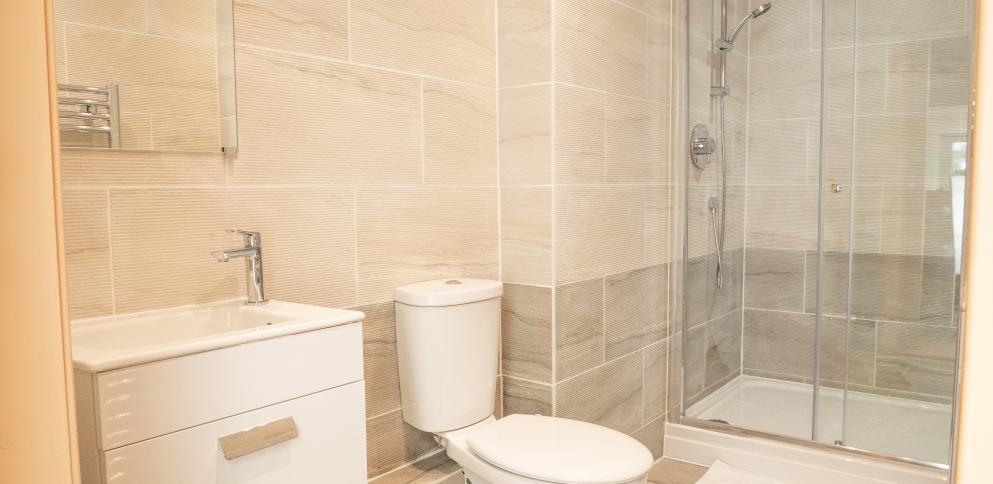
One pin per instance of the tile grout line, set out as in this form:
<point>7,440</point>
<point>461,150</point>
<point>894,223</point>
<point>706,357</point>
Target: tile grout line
<point>553,155</point>
<point>110,254</point>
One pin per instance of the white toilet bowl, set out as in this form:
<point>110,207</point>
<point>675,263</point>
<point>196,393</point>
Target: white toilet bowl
<point>533,449</point>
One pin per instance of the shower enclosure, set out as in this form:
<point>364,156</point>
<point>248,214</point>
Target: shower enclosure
<point>822,198</point>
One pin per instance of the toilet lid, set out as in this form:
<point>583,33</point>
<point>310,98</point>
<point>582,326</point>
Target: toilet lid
<point>561,450</point>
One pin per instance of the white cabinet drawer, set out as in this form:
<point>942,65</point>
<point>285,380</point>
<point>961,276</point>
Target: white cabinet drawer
<point>146,401</point>
<point>330,447</point>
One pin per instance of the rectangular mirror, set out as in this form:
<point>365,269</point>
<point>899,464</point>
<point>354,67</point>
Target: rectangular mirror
<point>146,74</point>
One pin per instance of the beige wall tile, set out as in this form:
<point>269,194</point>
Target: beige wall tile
<point>59,36</point>
<point>460,140</point>
<point>651,436</point>
<point>448,40</point>
<point>723,340</point>
<point>949,73</point>
<point>190,20</point>
<point>305,26</point>
<point>601,45</point>
<point>525,135</point>
<point>115,14</point>
<point>890,149</point>
<point>637,141</point>
<point>163,239</point>
<point>779,342</point>
<point>579,327</point>
<point>916,358</point>
<point>616,404</point>
<point>907,77</point>
<point>787,30</point>
<point>379,354</point>
<point>526,333</point>
<point>580,135</point>
<point>524,397</point>
<point>362,125</point>
<point>308,241</point>
<point>392,442</point>
<point>938,232</point>
<point>599,230</point>
<point>784,86</point>
<point>183,133</point>
<point>656,375</point>
<point>658,58</point>
<point>636,310</point>
<point>526,234</point>
<point>782,216</point>
<point>918,19</point>
<point>669,471</point>
<point>871,88</point>
<point>777,152</point>
<point>657,233</point>
<point>860,354</point>
<point>130,168</point>
<point>524,39</point>
<point>902,223</point>
<point>87,252</point>
<point>407,235</point>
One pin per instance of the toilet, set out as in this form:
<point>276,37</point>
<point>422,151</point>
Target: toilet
<point>448,338</point>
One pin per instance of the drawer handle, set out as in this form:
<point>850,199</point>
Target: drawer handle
<point>257,438</point>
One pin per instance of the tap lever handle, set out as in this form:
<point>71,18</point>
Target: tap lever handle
<point>252,238</point>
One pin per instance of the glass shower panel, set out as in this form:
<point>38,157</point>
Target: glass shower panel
<point>908,137</point>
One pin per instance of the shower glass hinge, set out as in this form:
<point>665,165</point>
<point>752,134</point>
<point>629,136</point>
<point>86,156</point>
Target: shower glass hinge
<point>839,442</point>
<point>719,91</point>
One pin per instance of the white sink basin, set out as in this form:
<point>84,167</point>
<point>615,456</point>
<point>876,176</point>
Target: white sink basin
<point>112,342</point>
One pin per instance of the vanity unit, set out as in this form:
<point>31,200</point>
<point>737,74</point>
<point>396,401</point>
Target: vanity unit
<point>221,393</point>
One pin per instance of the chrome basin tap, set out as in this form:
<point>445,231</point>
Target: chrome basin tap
<point>252,252</point>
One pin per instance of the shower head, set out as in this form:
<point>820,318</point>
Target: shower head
<point>727,43</point>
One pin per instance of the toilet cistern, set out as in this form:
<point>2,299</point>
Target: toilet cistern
<point>252,252</point>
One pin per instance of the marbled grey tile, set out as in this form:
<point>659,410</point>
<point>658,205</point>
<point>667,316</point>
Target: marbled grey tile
<point>498,397</point>
<point>774,279</point>
<point>520,396</point>
<point>391,442</point>
<point>939,237</point>
<point>861,353</point>
<point>616,403</point>
<point>635,310</point>
<point>723,348</point>
<point>833,283</point>
<point>779,342</point>
<point>887,287</point>
<point>938,291</point>
<point>699,278</point>
<point>579,338</point>
<point>379,352</point>
<point>695,361</point>
<point>916,358</point>
<point>428,470</point>
<point>728,297</point>
<point>674,375</point>
<point>651,435</point>
<point>656,380</point>
<point>527,332</point>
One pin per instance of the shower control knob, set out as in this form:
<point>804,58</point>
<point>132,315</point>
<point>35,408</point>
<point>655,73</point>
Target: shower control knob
<point>837,188</point>
<point>701,146</point>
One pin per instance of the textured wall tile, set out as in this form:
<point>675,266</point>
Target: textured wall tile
<point>779,342</point>
<point>524,38</point>
<point>774,34</point>
<point>580,135</point>
<point>305,26</point>
<point>636,310</point>
<point>579,336</point>
<point>657,226</point>
<point>902,223</point>
<point>887,287</point>
<point>87,252</point>
<point>526,233</point>
<point>618,402</point>
<point>784,86</point>
<point>907,77</point>
<point>115,14</point>
<point>363,125</point>
<point>651,435</point>
<point>658,58</point>
<point>601,45</point>
<point>308,240</point>
<point>723,348</point>
<point>524,397</point>
<point>448,40</point>
<point>949,74</point>
<point>939,237</point>
<point>105,167</point>
<point>774,279</point>
<point>427,470</point>
<point>190,20</point>
<point>162,243</point>
<point>832,283</point>
<point>656,380</point>
<point>407,235</point>
<point>782,216</point>
<point>527,332</point>
<point>379,352</point>
<point>599,230</point>
<point>916,358</point>
<point>637,141</point>
<point>871,84</point>
<point>460,142</point>
<point>890,149</point>
<point>918,19</point>
<point>860,354</point>
<point>525,135</point>
<point>777,152</point>
<point>938,296</point>
<point>392,442</point>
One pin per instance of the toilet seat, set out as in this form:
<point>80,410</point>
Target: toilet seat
<point>560,450</point>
